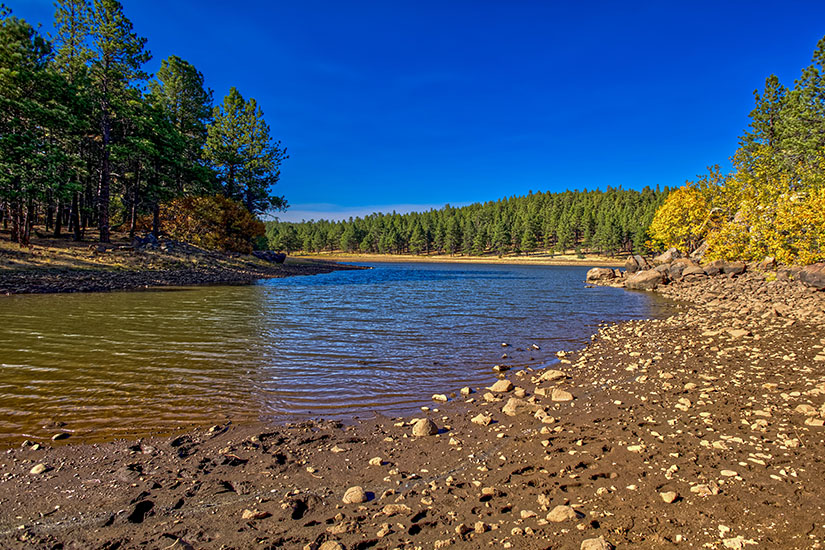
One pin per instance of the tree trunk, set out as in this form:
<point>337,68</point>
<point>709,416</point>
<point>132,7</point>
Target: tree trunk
<point>75,217</point>
<point>58,220</point>
<point>103,189</point>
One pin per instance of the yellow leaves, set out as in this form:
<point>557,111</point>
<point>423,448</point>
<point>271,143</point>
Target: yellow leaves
<point>681,220</point>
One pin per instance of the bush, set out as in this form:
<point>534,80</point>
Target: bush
<point>213,222</point>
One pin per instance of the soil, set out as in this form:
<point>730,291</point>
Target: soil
<point>61,265</point>
<point>702,430</point>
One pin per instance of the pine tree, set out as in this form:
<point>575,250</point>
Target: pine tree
<point>117,57</point>
<point>240,147</point>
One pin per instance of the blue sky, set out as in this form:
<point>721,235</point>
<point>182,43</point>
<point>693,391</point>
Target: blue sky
<point>411,105</point>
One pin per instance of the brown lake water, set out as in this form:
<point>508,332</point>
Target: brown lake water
<point>338,345</point>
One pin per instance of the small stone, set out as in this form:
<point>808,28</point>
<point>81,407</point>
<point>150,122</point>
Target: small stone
<point>482,419</point>
<point>561,513</point>
<point>377,461</point>
<point>596,544</point>
<point>424,427</point>
<point>355,495</point>
<point>550,375</point>
<point>38,469</point>
<point>466,390</point>
<point>561,395</point>
<point>331,545</point>
<point>462,529</point>
<point>728,473</point>
<point>440,397</point>
<point>501,386</point>
<point>480,527</point>
<point>527,514</point>
<point>59,436</point>
<point>669,496</point>
<point>254,514</point>
<point>393,509</point>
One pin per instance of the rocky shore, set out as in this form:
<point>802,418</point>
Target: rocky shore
<point>702,430</point>
<point>157,264</point>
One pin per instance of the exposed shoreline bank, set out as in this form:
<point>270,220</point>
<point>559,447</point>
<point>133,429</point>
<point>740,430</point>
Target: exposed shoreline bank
<point>702,430</point>
<point>536,259</point>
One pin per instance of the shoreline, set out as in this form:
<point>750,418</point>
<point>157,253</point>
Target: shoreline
<point>538,259</point>
<point>59,281</point>
<point>702,430</point>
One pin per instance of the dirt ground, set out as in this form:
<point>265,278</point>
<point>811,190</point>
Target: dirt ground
<point>61,265</point>
<point>703,430</point>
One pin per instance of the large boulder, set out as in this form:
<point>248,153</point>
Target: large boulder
<point>735,268</point>
<point>768,264</point>
<point>676,268</point>
<point>813,275</point>
<point>714,268</point>
<point>645,280</point>
<point>699,253</point>
<point>667,256</point>
<point>694,273</point>
<point>600,274</point>
<point>636,263</point>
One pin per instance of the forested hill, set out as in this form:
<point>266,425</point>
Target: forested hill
<point>611,222</point>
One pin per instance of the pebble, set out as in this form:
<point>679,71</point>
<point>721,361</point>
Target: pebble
<point>424,427</point>
<point>561,395</point>
<point>501,386</point>
<point>38,469</point>
<point>355,495</point>
<point>254,514</point>
<point>669,496</point>
<point>561,513</point>
<point>596,544</point>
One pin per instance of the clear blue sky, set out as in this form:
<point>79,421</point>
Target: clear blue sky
<point>414,104</point>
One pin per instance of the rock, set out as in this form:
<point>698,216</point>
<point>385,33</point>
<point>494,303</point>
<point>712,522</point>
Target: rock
<point>645,280</point>
<point>501,386</point>
<point>596,544</point>
<point>664,269</point>
<point>254,514</point>
<point>482,419</point>
<point>728,473</point>
<point>462,529</point>
<point>813,275</point>
<point>424,427</point>
<point>600,274</point>
<point>737,333</point>
<point>561,395</point>
<point>516,406</point>
<point>561,513</point>
<point>669,496</point>
<point>466,390</point>
<point>768,264</point>
<point>678,267</point>
<point>440,397</point>
<point>394,509</point>
<point>667,257</point>
<point>714,268</point>
<point>377,461</point>
<point>635,264</point>
<point>807,410</point>
<point>694,273</point>
<point>331,545</point>
<point>38,469</point>
<point>480,527</point>
<point>735,268</point>
<point>60,435</point>
<point>550,375</point>
<point>355,495</point>
<point>699,253</point>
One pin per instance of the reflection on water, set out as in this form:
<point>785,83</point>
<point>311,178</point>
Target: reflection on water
<point>334,345</point>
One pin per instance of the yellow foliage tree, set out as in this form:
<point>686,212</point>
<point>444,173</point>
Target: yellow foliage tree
<point>681,221</point>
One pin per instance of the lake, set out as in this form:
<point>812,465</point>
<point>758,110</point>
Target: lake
<point>338,345</point>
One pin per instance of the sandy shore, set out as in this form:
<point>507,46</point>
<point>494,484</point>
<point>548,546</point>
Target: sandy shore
<point>703,430</point>
<point>533,259</point>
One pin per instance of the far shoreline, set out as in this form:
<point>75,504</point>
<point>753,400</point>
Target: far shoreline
<point>538,259</point>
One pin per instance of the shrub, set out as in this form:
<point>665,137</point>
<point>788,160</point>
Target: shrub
<point>212,222</point>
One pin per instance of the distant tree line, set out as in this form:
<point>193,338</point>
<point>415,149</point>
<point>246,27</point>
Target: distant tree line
<point>773,201</point>
<point>88,139</point>
<point>612,221</point>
